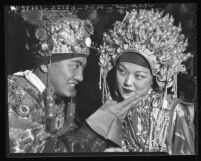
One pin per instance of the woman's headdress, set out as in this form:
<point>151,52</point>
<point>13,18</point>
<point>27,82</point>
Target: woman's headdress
<point>152,35</point>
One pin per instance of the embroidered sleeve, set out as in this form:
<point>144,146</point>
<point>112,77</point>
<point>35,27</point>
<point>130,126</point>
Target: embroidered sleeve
<point>183,133</point>
<point>83,140</point>
<point>106,124</point>
<point>22,127</point>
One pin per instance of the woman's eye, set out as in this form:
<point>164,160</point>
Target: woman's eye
<point>140,77</point>
<point>121,71</point>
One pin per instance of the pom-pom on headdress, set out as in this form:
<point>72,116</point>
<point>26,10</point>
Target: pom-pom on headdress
<point>57,32</point>
<point>151,35</point>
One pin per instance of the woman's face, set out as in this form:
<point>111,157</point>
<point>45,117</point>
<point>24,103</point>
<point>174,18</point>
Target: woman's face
<point>132,78</point>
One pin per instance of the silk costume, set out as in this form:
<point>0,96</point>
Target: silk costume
<point>28,125</point>
<point>132,134</point>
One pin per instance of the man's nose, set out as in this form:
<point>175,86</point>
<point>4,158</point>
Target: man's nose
<point>79,75</point>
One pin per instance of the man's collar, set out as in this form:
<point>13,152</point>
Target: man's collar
<point>32,78</point>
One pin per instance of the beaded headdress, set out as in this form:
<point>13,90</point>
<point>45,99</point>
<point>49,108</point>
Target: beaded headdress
<point>57,32</point>
<point>151,35</point>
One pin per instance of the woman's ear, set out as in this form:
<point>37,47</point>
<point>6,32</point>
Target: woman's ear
<point>44,68</point>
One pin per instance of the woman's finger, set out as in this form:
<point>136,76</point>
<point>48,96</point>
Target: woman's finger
<point>109,102</point>
<point>128,101</point>
<point>127,107</point>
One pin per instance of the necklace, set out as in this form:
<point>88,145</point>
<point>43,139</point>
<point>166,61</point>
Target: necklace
<point>136,125</point>
<point>158,130</point>
<point>148,125</point>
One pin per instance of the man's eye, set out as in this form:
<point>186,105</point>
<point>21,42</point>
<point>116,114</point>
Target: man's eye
<point>74,66</point>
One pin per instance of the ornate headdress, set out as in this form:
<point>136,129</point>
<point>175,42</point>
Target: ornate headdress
<point>57,32</point>
<point>154,37</point>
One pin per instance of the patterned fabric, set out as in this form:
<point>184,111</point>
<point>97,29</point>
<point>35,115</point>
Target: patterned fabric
<point>29,128</point>
<point>26,114</point>
<point>136,126</point>
<point>179,131</point>
<point>84,140</point>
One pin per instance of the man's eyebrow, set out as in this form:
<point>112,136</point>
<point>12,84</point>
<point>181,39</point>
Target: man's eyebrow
<point>80,63</point>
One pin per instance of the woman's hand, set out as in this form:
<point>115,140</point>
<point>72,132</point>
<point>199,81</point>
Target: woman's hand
<point>120,109</point>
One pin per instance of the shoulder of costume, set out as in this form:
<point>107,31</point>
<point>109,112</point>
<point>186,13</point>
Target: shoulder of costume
<point>23,99</point>
<point>181,108</point>
<point>17,80</point>
<point>187,107</point>
<point>22,85</point>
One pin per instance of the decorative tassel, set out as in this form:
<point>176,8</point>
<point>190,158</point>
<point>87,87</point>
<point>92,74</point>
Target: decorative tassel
<point>50,105</point>
<point>175,86</point>
<point>100,79</point>
<point>50,109</point>
<point>70,115</point>
<point>105,88</point>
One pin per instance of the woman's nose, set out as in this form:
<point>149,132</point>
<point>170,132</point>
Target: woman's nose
<point>129,81</point>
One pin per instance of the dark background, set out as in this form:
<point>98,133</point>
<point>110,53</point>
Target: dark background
<point>103,16</point>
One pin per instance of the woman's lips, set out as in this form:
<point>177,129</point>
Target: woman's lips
<point>125,90</point>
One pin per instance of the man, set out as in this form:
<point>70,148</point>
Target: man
<point>60,45</point>
<point>59,42</point>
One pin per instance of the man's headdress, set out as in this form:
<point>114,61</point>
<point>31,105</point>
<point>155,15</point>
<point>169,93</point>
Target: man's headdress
<point>57,33</point>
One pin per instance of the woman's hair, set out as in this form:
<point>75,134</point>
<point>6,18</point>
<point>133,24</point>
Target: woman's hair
<point>111,80</point>
<point>135,58</point>
<point>154,85</point>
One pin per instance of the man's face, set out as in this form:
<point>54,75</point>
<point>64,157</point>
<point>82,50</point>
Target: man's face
<point>64,75</point>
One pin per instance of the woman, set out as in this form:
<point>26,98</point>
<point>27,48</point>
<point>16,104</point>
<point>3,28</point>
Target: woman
<point>146,51</point>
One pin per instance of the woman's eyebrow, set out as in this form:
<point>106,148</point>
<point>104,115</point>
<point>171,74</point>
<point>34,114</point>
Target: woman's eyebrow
<point>142,72</point>
<point>120,65</point>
